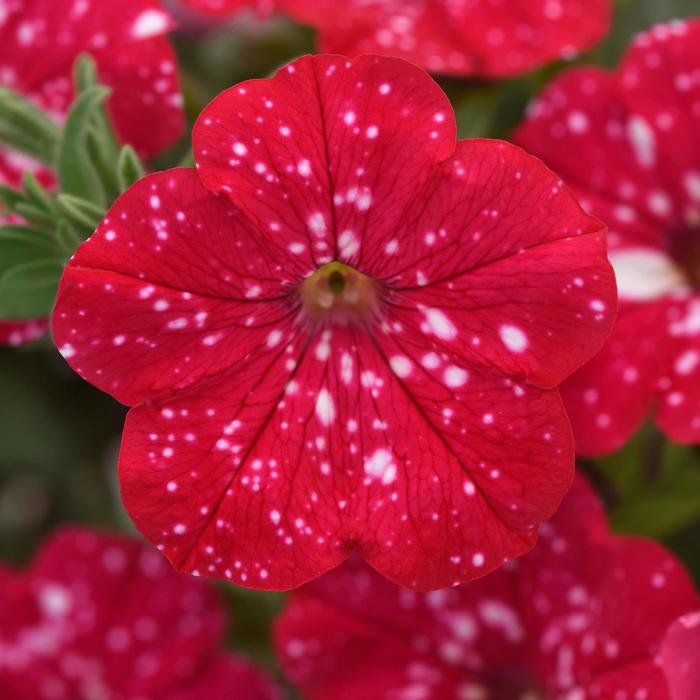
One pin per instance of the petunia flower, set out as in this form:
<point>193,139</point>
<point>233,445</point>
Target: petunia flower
<point>680,655</point>
<point>460,37</point>
<point>581,617</point>
<point>105,617</point>
<point>341,332</point>
<point>624,141</point>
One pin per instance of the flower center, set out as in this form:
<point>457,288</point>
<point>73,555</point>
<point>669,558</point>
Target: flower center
<point>337,293</point>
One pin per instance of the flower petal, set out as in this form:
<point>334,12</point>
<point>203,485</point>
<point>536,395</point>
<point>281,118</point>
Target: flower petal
<point>503,250</point>
<point>461,38</point>
<point>631,362</point>
<point>185,272</point>
<point>20,332</point>
<point>165,635</point>
<point>601,605</point>
<point>582,128</point>
<point>680,656</point>
<point>269,486</point>
<point>317,154</point>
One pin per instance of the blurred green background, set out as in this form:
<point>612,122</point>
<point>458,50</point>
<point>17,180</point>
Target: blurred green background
<point>59,437</point>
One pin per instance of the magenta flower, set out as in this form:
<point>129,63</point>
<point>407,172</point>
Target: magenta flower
<point>581,617</point>
<point>341,332</point>
<point>624,142</point>
<point>102,616</point>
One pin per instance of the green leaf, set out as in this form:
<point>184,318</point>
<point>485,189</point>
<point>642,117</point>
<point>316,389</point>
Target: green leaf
<point>24,127</point>
<point>37,217</point>
<point>81,212</point>
<point>36,194</point>
<point>21,244</point>
<point>84,73</point>
<point>104,155</point>
<point>29,289</point>
<point>667,504</point>
<point>10,198</point>
<point>76,172</point>
<point>187,161</point>
<point>129,168</point>
<point>67,237</point>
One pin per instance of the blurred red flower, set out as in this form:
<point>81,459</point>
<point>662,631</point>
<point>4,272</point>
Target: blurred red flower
<point>104,616</point>
<point>581,617</point>
<point>39,42</point>
<point>342,332</point>
<point>229,7</point>
<point>459,37</point>
<point>24,331</point>
<point>680,655</point>
<point>626,142</point>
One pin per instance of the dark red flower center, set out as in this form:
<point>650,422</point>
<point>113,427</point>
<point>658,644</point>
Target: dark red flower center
<point>338,294</point>
<point>684,248</point>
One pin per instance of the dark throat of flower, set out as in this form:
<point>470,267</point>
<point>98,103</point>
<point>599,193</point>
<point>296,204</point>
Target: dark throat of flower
<point>684,248</point>
<point>337,294</point>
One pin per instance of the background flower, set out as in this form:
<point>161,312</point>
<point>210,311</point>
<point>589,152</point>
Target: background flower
<point>104,616</point>
<point>582,616</point>
<point>625,142</point>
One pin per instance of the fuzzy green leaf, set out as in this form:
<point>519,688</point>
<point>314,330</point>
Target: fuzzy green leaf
<point>28,290</point>
<point>76,172</point>
<point>129,168</point>
<point>24,127</point>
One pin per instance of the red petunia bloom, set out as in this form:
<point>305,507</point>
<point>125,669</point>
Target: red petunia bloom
<point>680,655</point>
<point>104,617</point>
<point>460,37</point>
<point>626,142</point>
<point>581,617</point>
<point>341,332</point>
<point>39,42</point>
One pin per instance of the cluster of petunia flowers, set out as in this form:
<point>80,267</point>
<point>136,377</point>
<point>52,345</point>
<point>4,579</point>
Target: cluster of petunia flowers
<point>342,335</point>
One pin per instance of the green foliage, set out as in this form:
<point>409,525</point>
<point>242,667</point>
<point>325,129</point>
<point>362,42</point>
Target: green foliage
<point>26,127</point>
<point>92,170</point>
